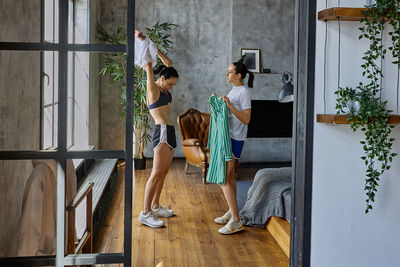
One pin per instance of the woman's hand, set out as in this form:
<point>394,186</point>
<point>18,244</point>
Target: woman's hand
<point>140,35</point>
<point>226,100</point>
<point>243,116</point>
<point>148,67</point>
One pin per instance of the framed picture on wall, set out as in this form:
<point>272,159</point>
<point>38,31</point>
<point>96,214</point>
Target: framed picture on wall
<point>251,59</point>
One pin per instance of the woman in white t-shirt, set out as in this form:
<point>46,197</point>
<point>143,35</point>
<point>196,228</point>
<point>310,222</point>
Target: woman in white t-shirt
<point>238,101</point>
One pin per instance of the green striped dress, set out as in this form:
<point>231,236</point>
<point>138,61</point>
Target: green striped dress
<point>219,141</point>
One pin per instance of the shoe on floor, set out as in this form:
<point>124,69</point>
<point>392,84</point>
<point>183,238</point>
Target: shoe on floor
<point>224,219</point>
<point>231,227</point>
<point>163,212</point>
<point>150,219</point>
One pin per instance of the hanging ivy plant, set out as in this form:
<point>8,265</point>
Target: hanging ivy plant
<point>372,115</point>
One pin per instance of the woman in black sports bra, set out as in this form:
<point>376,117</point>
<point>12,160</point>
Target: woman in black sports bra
<point>164,143</point>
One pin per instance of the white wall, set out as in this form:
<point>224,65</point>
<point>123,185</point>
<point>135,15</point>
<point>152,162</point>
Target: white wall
<point>342,234</point>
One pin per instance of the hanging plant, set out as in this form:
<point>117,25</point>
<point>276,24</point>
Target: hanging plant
<point>372,115</point>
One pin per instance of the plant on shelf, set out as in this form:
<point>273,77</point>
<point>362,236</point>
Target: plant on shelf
<point>115,65</point>
<point>370,114</point>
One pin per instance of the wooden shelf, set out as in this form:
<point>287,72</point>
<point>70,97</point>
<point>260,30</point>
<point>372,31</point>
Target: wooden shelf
<point>341,13</point>
<point>342,119</point>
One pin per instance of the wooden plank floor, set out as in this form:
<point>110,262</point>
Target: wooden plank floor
<point>190,238</point>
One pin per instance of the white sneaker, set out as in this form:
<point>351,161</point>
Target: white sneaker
<point>231,227</point>
<point>150,219</point>
<point>224,219</point>
<point>163,212</point>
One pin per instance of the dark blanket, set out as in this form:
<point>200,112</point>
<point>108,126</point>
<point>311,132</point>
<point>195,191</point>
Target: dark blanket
<point>265,196</point>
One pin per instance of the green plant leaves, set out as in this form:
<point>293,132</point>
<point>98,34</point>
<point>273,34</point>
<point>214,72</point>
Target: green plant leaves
<point>373,116</point>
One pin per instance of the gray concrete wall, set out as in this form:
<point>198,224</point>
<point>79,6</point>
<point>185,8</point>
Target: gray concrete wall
<point>112,125</point>
<point>209,38</point>
<point>267,25</point>
<point>19,107</point>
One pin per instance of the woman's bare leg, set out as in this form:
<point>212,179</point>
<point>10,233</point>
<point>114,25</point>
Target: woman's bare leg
<point>161,162</point>
<point>156,199</point>
<point>229,189</point>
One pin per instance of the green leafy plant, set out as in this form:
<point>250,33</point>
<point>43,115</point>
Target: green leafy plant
<point>373,115</point>
<point>115,65</point>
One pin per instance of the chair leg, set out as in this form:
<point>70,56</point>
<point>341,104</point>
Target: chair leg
<point>204,172</point>
<point>186,167</point>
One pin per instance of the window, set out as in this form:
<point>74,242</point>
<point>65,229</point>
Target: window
<point>50,104</point>
<point>59,46</point>
<point>78,77</point>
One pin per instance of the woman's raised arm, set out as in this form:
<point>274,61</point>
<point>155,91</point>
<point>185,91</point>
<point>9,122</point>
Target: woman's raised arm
<point>153,93</point>
<point>165,60</point>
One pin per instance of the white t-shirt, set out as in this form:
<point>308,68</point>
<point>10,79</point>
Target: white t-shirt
<point>145,52</point>
<point>240,98</point>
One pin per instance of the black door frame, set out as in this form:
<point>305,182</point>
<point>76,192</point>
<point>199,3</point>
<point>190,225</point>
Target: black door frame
<point>303,127</point>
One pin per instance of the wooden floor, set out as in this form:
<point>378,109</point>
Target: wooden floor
<point>191,237</point>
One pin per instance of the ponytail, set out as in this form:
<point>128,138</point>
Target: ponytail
<point>251,80</point>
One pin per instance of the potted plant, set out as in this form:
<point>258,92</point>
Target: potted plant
<point>372,114</point>
<point>115,65</point>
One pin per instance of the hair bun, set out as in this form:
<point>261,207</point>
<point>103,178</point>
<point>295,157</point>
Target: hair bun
<point>160,69</point>
<point>242,59</point>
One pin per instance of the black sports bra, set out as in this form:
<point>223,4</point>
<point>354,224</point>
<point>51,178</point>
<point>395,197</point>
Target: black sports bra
<point>165,99</point>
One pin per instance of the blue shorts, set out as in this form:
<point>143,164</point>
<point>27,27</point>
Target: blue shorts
<point>237,147</point>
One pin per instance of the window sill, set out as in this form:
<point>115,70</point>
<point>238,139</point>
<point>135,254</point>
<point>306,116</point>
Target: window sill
<point>78,162</point>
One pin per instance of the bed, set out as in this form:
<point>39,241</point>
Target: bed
<point>269,195</point>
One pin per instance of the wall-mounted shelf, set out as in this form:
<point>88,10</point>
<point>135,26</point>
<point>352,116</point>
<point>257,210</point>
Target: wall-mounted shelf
<point>342,119</point>
<point>341,13</point>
